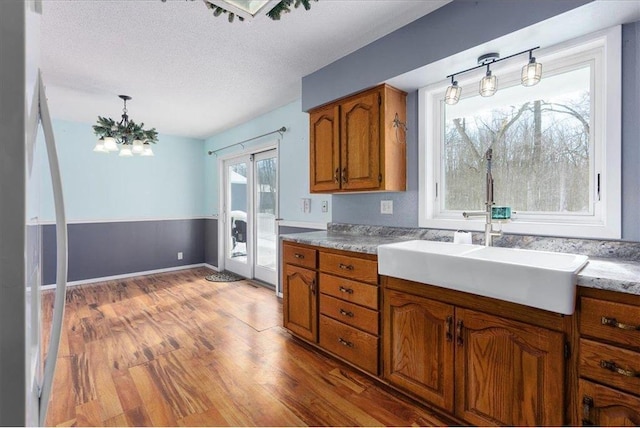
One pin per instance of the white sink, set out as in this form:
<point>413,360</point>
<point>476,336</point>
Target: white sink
<point>539,279</point>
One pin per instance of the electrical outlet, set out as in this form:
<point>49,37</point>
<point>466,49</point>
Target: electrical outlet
<point>179,255</point>
<point>325,206</point>
<point>386,207</point>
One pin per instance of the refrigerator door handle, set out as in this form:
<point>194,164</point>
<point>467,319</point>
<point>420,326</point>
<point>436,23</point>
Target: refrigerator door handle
<point>61,252</point>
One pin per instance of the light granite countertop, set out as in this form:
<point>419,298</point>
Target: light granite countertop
<point>608,273</point>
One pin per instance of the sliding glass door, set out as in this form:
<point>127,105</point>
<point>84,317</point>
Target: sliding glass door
<point>250,210</point>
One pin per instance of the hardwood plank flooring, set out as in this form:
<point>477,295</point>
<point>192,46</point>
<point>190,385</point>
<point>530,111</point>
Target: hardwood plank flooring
<point>176,350</point>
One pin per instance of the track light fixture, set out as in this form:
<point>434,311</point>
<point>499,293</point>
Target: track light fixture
<point>453,92</point>
<point>531,75</point>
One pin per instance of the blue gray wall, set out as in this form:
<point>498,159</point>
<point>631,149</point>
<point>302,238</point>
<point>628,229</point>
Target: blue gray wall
<point>211,241</point>
<point>455,27</point>
<point>98,250</point>
<point>631,131</point>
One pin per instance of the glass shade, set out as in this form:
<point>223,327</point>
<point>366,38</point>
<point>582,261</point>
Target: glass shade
<point>531,73</point>
<point>137,147</point>
<point>110,144</point>
<point>100,147</point>
<point>125,151</point>
<point>147,150</point>
<point>452,96</point>
<point>488,85</point>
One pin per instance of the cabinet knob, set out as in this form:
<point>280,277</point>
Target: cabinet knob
<point>346,313</point>
<point>336,175</point>
<point>612,322</point>
<point>345,342</point>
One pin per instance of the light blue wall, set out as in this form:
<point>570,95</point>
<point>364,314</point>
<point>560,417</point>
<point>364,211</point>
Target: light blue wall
<point>99,186</point>
<point>294,160</point>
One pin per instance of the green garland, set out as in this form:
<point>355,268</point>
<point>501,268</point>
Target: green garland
<point>281,7</point>
<point>107,127</point>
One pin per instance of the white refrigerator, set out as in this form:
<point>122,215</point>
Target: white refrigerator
<point>25,376</point>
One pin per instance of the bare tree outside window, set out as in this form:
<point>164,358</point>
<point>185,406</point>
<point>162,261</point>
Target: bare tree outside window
<point>541,143</point>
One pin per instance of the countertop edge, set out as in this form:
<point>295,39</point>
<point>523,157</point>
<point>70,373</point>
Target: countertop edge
<point>606,274</point>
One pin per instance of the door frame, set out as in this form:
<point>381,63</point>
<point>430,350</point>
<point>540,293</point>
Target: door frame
<point>222,220</point>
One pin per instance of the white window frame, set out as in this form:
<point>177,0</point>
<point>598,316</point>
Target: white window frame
<point>604,49</point>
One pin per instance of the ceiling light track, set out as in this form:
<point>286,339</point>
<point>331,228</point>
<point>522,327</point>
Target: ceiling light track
<point>531,75</point>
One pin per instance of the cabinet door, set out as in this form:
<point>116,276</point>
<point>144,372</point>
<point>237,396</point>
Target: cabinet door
<point>418,346</point>
<point>324,149</point>
<point>507,372</point>
<point>360,141</point>
<point>604,406</point>
<point>300,302</point>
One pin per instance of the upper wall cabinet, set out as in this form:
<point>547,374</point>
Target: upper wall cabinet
<point>357,145</point>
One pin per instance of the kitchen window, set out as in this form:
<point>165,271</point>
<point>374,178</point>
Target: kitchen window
<point>556,145</point>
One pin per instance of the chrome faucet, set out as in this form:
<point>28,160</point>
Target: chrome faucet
<point>489,231</point>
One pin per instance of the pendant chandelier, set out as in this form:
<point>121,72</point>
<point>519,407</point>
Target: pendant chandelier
<point>531,75</point>
<point>132,137</point>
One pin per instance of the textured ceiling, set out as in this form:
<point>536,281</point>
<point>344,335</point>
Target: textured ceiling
<point>193,74</point>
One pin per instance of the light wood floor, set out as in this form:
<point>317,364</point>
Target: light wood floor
<point>176,350</point>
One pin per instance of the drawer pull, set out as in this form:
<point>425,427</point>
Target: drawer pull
<point>298,256</point>
<point>345,267</point>
<point>612,322</point>
<point>345,342</point>
<point>346,313</point>
<point>449,333</point>
<point>612,366</point>
<point>336,176</point>
<point>587,404</point>
<point>346,290</point>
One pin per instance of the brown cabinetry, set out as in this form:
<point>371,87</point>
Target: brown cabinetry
<point>418,346</point>
<point>507,372</point>
<point>609,363</point>
<point>341,313</point>
<point>486,369</point>
<point>355,144</point>
<point>300,292</point>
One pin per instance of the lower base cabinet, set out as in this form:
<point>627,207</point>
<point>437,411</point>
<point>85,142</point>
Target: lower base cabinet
<point>505,372</point>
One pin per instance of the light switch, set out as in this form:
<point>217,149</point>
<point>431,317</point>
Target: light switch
<point>305,205</point>
<point>386,207</point>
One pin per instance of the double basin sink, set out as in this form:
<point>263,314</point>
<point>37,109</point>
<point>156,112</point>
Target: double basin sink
<point>539,279</point>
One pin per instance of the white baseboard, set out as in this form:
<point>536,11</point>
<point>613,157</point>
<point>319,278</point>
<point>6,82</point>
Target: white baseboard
<point>127,275</point>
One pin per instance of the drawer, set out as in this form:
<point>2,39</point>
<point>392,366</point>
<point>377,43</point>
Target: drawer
<point>611,321</point>
<point>610,365</point>
<point>602,406</point>
<point>300,256</point>
<point>353,345</point>
<point>351,291</point>
<point>348,313</point>
<point>350,267</point>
